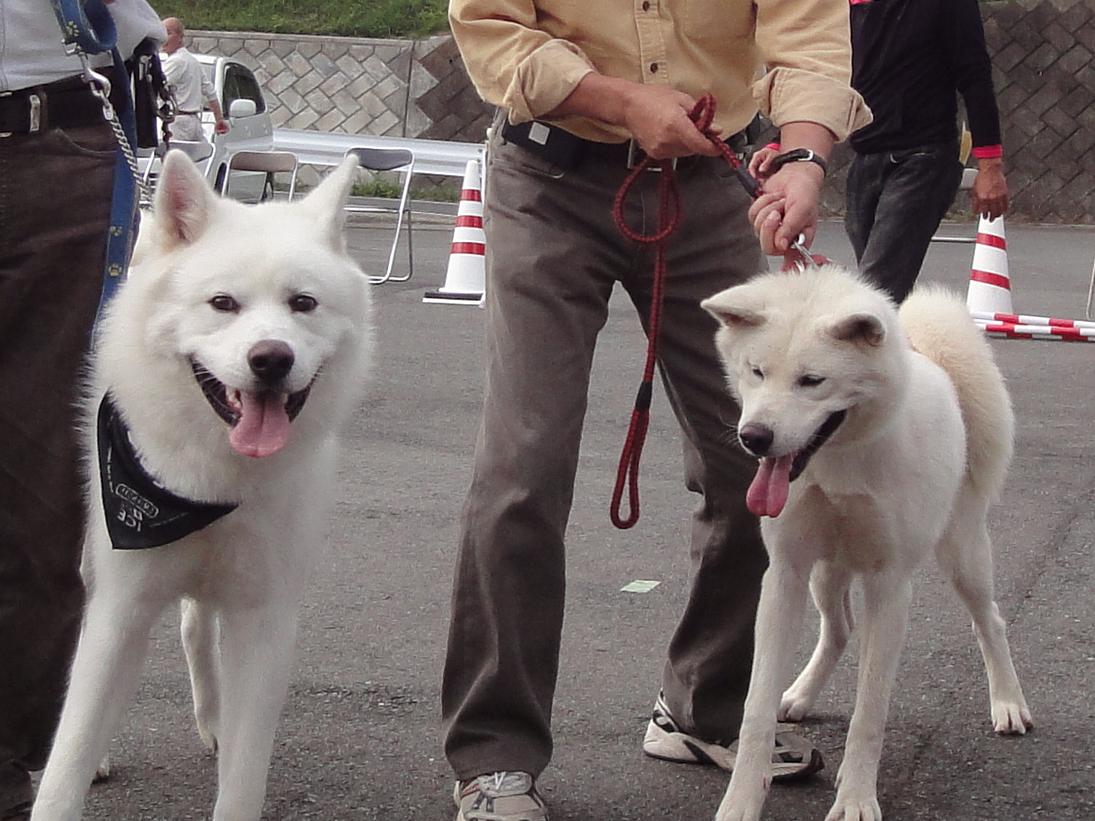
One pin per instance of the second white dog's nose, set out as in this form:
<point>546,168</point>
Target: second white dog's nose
<point>270,360</point>
<point>756,438</point>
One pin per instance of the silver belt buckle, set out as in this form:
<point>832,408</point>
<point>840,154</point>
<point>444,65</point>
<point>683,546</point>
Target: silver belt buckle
<point>35,119</point>
<point>633,149</point>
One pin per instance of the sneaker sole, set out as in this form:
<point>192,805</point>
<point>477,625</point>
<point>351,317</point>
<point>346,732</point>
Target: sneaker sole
<point>681,748</point>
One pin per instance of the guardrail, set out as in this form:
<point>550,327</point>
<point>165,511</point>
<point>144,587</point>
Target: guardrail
<point>436,157</point>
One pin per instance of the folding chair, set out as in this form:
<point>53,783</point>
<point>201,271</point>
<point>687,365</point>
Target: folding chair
<point>390,159</point>
<point>200,151</point>
<point>271,162</point>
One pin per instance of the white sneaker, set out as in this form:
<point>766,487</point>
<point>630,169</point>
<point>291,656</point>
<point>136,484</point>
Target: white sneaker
<point>793,757</point>
<point>502,796</point>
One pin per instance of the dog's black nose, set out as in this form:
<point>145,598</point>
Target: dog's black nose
<point>270,360</point>
<point>756,438</point>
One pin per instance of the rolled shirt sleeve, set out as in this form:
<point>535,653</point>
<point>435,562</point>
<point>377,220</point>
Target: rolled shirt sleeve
<point>208,90</point>
<point>511,63</point>
<point>806,46</point>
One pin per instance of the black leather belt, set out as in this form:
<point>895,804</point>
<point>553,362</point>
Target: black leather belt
<point>566,150</point>
<point>629,154</point>
<point>66,103</point>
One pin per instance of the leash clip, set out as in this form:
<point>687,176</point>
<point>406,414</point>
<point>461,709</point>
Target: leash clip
<point>100,87</point>
<point>805,258</point>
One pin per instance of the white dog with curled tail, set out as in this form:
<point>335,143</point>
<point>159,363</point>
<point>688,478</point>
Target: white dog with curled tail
<point>882,437</point>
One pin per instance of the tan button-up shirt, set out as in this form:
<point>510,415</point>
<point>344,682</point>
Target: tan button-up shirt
<point>528,55</point>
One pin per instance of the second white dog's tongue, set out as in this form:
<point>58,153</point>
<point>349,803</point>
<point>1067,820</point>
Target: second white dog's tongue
<point>263,428</point>
<point>768,493</point>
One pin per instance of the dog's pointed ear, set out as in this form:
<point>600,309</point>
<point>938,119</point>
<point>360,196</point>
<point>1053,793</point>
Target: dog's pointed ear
<point>328,200</point>
<point>861,327</point>
<point>184,201</point>
<point>731,309</point>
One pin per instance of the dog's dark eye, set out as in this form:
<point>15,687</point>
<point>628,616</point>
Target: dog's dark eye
<point>758,373</point>
<point>810,381</point>
<point>303,303</point>
<point>223,302</point>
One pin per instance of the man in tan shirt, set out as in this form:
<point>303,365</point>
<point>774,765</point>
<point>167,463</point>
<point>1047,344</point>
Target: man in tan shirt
<point>580,87</point>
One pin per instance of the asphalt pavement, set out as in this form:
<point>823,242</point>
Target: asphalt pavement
<point>360,736</point>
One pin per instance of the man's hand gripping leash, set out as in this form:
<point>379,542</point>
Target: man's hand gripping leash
<point>669,216</point>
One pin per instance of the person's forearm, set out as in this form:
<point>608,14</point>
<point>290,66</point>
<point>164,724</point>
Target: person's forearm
<point>804,134</point>
<point>598,97</point>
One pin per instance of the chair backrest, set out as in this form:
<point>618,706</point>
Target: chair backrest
<point>269,161</point>
<point>382,159</point>
<point>197,150</point>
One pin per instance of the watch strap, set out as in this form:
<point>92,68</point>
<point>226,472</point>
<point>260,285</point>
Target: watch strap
<point>797,155</point>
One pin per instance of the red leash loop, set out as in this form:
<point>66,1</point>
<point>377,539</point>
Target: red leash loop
<point>669,216</point>
<point>669,209</point>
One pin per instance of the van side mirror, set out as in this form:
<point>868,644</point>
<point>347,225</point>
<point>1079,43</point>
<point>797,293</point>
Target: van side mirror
<point>242,108</point>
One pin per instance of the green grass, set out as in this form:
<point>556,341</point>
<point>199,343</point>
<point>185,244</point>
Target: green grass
<point>387,189</point>
<point>349,18</point>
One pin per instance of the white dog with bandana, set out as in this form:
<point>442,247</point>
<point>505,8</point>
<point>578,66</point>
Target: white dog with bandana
<point>225,367</point>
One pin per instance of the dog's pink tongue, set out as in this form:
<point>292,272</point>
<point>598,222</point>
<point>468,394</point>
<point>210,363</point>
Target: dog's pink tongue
<point>768,493</point>
<point>263,428</point>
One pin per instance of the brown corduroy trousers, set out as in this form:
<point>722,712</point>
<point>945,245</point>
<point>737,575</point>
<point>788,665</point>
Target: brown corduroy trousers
<point>55,190</point>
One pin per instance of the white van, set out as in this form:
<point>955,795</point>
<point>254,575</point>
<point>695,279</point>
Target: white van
<point>244,105</point>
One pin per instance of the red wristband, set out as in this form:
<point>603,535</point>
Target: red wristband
<point>988,152</point>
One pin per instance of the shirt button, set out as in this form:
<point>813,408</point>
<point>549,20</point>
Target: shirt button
<point>653,68</point>
<point>646,5</point>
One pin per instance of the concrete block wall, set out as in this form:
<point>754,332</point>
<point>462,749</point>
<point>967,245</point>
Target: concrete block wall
<point>1043,54</point>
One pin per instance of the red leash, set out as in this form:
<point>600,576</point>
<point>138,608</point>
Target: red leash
<point>669,216</point>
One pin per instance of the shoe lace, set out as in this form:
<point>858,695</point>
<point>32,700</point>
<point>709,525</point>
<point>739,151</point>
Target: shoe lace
<point>504,782</point>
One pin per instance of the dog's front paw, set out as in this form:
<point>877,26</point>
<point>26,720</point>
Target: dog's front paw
<point>742,804</point>
<point>795,705</point>
<point>850,807</point>
<point>1011,717</point>
<point>102,772</point>
<point>208,736</point>
<point>749,811</point>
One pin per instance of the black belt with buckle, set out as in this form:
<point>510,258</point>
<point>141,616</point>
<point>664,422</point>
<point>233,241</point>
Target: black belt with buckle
<point>566,150</point>
<point>66,103</point>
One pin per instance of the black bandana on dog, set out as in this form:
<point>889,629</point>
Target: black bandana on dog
<point>139,512</point>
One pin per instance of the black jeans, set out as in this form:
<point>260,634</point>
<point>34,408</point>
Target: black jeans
<point>895,201</point>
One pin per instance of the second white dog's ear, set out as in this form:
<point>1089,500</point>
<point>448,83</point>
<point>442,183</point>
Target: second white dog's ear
<point>860,328</point>
<point>184,201</point>
<point>328,201</point>
<point>729,309</point>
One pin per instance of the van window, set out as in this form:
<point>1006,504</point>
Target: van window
<point>240,84</point>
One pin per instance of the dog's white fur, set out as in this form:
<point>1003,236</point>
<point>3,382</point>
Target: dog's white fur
<point>240,579</point>
<point>921,454</point>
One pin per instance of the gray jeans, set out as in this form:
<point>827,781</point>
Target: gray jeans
<point>554,256</point>
<point>55,191</point>
<point>895,201</point>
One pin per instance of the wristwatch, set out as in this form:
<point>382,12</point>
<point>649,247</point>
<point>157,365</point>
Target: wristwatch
<point>797,155</point>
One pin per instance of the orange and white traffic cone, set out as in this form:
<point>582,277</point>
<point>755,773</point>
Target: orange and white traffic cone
<point>990,286</point>
<point>465,278</point>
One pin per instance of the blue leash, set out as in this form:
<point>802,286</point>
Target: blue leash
<point>88,28</point>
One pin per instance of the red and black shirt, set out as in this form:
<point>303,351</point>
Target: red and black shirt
<point>910,59</point>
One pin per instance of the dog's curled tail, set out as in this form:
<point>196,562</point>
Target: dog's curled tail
<point>938,325</point>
